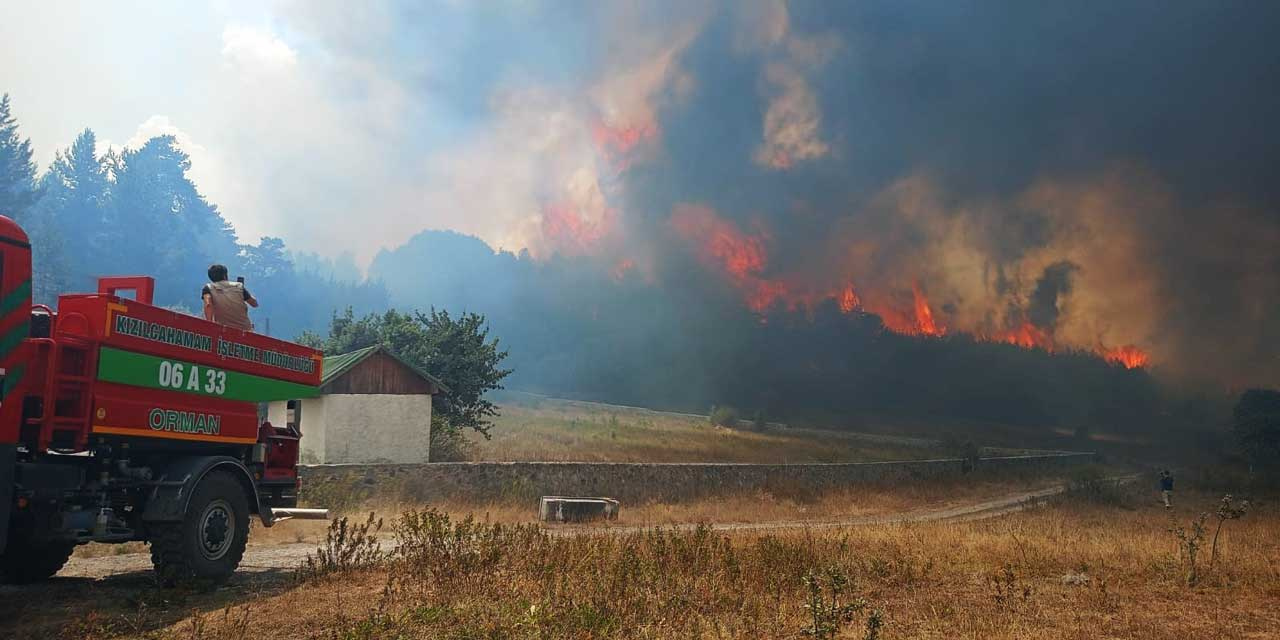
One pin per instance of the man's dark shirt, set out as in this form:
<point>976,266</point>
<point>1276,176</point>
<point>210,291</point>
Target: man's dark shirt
<point>1166,483</point>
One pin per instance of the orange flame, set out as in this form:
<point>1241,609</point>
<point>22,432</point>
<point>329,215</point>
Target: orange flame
<point>722,242</point>
<point>848,300</point>
<point>622,139</point>
<point>1129,356</point>
<point>924,315</point>
<point>761,294</point>
<point>1025,335</point>
<point>917,320</point>
<point>569,231</point>
<point>742,257</point>
<point>616,143</point>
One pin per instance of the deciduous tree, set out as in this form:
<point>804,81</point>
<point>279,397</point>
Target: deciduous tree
<point>455,349</point>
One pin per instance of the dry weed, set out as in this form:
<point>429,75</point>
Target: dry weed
<point>1077,569</point>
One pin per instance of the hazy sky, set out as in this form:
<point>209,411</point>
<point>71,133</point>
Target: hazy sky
<point>302,119</point>
<point>350,126</point>
<point>132,70</point>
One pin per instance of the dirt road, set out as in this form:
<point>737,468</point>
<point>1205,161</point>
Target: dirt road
<point>275,558</point>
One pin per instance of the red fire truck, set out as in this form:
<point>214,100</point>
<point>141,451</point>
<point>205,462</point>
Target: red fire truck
<point>123,421</point>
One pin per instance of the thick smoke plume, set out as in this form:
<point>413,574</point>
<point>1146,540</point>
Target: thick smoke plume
<point>1045,176</point>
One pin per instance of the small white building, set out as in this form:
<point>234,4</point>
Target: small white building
<point>373,407</point>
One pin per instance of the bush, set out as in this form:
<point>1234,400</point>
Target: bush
<point>1190,540</point>
<point>346,547</point>
<point>431,544</point>
<point>829,611</point>
<point>448,444</point>
<point>724,416</point>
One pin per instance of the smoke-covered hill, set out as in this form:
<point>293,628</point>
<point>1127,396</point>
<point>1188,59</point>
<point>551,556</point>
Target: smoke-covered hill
<point>575,330</point>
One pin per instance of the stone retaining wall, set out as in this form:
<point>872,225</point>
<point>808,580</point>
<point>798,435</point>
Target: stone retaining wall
<point>639,482</point>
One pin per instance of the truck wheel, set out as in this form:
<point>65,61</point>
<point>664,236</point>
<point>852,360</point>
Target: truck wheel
<point>205,548</point>
<point>25,561</point>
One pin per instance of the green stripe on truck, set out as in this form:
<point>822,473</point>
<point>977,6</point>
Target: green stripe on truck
<point>14,299</point>
<point>142,370</point>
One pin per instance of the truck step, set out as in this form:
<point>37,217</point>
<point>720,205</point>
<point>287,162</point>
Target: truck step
<point>278,514</point>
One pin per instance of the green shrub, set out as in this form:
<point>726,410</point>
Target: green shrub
<point>724,416</point>
<point>448,444</point>
<point>346,547</point>
<point>1190,540</point>
<point>830,611</point>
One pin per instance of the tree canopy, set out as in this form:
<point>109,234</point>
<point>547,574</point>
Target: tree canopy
<point>455,349</point>
<point>18,190</point>
<point>138,211</point>
<point>1257,427</point>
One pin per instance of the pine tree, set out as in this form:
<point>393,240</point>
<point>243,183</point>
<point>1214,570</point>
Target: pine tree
<point>66,224</point>
<point>18,190</point>
<point>159,223</point>
<point>51,272</point>
<point>21,199</point>
<point>266,261</point>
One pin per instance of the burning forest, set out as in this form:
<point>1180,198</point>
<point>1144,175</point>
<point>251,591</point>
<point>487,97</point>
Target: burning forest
<point>743,258</point>
<point>710,198</point>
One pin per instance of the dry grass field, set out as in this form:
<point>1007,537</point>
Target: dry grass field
<point>757,507</point>
<point>1091,564</point>
<point>537,428</point>
<point>736,509</point>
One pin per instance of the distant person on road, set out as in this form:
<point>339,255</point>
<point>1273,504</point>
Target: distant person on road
<point>227,302</point>
<point>1166,487</point>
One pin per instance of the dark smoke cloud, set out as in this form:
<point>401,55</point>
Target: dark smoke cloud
<point>1028,121</point>
<point>1050,288</point>
<point>1105,169</point>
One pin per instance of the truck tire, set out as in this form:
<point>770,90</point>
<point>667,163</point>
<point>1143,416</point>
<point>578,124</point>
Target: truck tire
<point>25,561</point>
<point>206,547</point>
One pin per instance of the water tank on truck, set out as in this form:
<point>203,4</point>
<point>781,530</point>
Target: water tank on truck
<point>123,421</point>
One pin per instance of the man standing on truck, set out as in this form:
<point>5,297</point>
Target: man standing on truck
<point>227,302</point>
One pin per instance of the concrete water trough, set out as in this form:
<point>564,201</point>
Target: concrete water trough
<point>574,509</point>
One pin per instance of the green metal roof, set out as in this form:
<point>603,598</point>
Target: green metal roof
<point>335,366</point>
